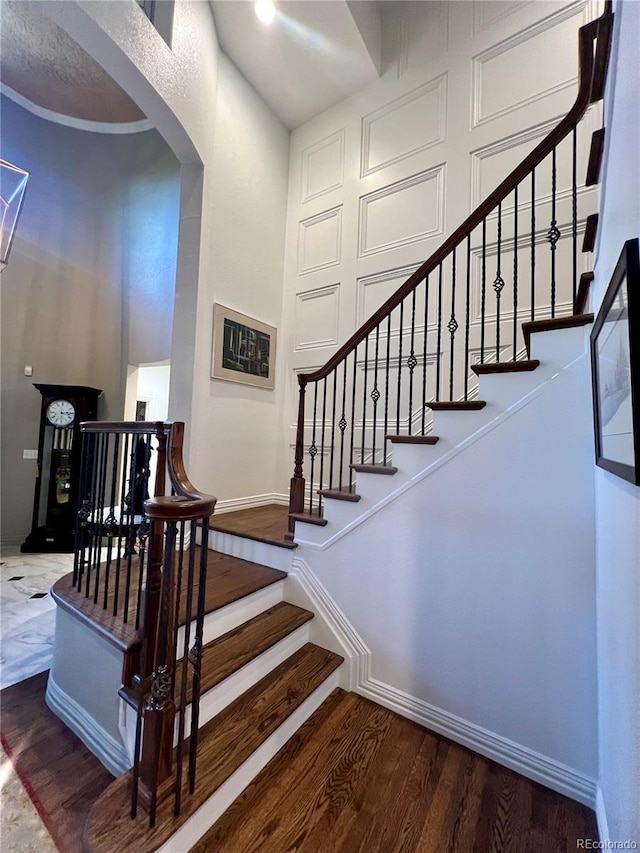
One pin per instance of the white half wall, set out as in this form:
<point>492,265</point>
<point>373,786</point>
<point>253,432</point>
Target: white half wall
<point>475,589</point>
<point>617,501</point>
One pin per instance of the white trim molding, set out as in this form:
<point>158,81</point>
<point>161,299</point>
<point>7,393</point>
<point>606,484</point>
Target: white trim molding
<point>234,504</point>
<point>506,752</point>
<point>104,746</point>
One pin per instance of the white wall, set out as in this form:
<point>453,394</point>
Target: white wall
<point>475,588</point>
<point>618,502</point>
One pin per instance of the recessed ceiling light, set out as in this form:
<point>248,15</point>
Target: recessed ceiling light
<point>265,10</point>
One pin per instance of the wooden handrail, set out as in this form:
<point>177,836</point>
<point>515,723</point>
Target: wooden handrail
<point>137,427</point>
<point>587,34</point>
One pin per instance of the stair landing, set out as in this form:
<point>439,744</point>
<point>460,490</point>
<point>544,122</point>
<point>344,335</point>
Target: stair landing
<point>267,523</point>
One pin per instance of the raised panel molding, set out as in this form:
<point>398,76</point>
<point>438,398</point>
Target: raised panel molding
<point>317,314</point>
<point>402,213</point>
<point>322,167</point>
<point>320,241</point>
<point>495,69</point>
<point>488,12</point>
<point>405,126</point>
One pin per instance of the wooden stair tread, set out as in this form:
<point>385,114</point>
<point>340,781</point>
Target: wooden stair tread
<point>224,743</point>
<point>267,524</point>
<point>595,158</point>
<point>339,494</point>
<point>374,469</point>
<point>413,439</point>
<point>233,650</point>
<point>601,59</point>
<point>456,405</point>
<point>309,518</point>
<point>228,579</point>
<point>583,292</point>
<point>549,324</point>
<point>505,367</point>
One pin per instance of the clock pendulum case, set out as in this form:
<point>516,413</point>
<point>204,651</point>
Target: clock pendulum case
<point>63,408</point>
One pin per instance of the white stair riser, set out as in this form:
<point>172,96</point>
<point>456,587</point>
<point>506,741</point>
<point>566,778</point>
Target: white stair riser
<point>453,427</point>
<point>560,346</point>
<point>313,534</point>
<point>227,618</point>
<point>377,486</point>
<point>195,827</point>
<point>503,390</point>
<point>409,459</point>
<point>248,549</point>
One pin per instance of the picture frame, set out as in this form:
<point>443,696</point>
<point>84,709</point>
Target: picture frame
<point>615,363</point>
<point>243,349</point>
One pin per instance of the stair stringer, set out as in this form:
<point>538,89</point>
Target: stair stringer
<point>506,395</point>
<point>476,600</point>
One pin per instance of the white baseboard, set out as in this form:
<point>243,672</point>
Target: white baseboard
<point>601,817</point>
<point>506,752</point>
<point>333,629</point>
<point>104,746</point>
<point>234,504</point>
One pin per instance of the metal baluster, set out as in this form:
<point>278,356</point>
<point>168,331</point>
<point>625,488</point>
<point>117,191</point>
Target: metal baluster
<point>452,325</point>
<point>185,664</point>
<point>498,282</point>
<point>111,523</point>
<point>424,353</point>
<point>515,272</point>
<point>438,343</point>
<point>133,467</point>
<point>533,244</point>
<point>364,395</point>
<point>375,395</point>
<point>313,450</point>
<point>467,321</point>
<point>353,416</point>
<point>483,297</point>
<point>333,425</point>
<point>195,658</point>
<point>401,333</point>
<point>322,432</point>
<point>386,387</point>
<point>342,423</point>
<point>574,214</point>
<point>178,597</point>
<point>123,525</point>
<point>102,476</point>
<point>553,234</point>
<point>412,361</point>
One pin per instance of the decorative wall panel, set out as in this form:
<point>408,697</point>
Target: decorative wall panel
<point>322,167</point>
<point>402,213</point>
<point>320,241</point>
<point>405,126</point>
<point>317,313</point>
<point>499,88</point>
<point>489,12</point>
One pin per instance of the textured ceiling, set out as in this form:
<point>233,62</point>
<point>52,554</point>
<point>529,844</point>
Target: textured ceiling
<point>44,65</point>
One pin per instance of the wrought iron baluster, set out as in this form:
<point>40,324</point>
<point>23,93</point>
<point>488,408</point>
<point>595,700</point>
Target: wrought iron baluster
<point>401,336</point>
<point>439,333</point>
<point>467,320</point>
<point>386,387</point>
<point>342,423</point>
<point>111,524</point>
<point>533,244</point>
<point>178,598</point>
<point>553,234</point>
<point>574,214</point>
<point>125,525</point>
<point>333,425</point>
<point>195,658</point>
<point>483,295</point>
<point>375,395</point>
<point>452,325</point>
<point>353,416</point>
<point>313,450</point>
<point>323,430</point>
<point>131,521</point>
<point>498,282</point>
<point>364,396</point>
<point>412,361</point>
<point>100,517</point>
<point>515,272</point>
<point>424,353</point>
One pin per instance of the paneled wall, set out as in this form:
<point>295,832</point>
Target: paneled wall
<point>377,182</point>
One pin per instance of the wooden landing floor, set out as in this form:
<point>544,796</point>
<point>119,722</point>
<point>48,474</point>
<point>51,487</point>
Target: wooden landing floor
<point>357,777</point>
<point>263,523</point>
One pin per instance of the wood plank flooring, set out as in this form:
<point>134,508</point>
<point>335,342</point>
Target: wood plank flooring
<point>62,774</point>
<point>357,777</point>
<point>263,523</point>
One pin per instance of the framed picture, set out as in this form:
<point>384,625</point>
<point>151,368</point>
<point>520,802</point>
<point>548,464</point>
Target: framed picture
<point>615,361</point>
<point>244,349</point>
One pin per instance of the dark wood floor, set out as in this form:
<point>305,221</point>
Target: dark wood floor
<point>264,523</point>
<point>359,778</point>
<point>64,776</point>
<point>355,778</point>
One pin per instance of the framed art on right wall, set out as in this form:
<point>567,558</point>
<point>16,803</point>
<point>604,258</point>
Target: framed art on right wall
<point>615,363</point>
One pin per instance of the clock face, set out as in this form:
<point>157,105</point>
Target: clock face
<point>61,413</point>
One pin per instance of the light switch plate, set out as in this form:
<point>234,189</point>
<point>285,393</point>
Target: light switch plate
<point>29,454</point>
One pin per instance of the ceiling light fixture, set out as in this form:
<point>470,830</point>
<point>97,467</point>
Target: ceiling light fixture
<point>265,10</point>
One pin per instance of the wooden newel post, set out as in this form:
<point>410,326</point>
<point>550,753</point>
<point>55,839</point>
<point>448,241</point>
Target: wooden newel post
<point>296,490</point>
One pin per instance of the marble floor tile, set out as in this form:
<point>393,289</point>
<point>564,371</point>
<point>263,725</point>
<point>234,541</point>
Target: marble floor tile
<point>21,827</point>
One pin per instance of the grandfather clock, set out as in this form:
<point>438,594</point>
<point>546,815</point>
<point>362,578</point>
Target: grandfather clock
<point>63,408</point>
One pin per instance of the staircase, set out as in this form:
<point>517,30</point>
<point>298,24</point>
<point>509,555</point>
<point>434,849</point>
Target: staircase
<point>261,664</point>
